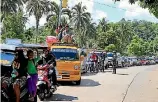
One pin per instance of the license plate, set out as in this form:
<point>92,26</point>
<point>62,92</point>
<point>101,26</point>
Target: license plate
<point>59,77</point>
<point>65,72</point>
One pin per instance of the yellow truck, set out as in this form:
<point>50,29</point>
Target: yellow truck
<point>68,62</point>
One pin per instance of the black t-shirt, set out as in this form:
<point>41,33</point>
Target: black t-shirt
<point>50,58</point>
<point>22,70</point>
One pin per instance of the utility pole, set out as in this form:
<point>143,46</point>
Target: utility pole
<point>60,11</point>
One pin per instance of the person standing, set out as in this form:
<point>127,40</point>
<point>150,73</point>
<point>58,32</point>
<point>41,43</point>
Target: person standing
<point>32,71</point>
<point>19,73</point>
<point>114,62</point>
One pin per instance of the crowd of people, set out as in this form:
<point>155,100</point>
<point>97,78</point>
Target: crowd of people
<point>96,61</point>
<point>25,71</point>
<point>64,34</point>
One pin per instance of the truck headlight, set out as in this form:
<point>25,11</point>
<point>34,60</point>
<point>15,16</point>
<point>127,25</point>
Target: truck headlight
<point>76,67</point>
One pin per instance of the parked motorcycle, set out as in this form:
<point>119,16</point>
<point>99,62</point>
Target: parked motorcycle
<point>44,89</point>
<point>7,92</point>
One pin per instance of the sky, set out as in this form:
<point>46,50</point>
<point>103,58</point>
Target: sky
<point>106,8</point>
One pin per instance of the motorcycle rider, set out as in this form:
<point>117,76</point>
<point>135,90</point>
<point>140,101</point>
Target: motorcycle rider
<point>94,58</point>
<point>19,73</point>
<point>114,62</point>
<point>49,57</point>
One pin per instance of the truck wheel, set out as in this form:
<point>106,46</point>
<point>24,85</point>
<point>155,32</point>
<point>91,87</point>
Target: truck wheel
<point>78,82</point>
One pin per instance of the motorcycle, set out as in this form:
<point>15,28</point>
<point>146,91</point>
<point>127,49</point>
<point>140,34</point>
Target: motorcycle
<point>7,91</point>
<point>44,89</point>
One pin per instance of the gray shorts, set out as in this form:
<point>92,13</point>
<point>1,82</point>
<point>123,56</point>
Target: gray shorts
<point>20,81</point>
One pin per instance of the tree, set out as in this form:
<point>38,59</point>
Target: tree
<point>150,4</point>
<point>80,18</point>
<point>10,6</point>
<point>110,48</point>
<point>37,8</point>
<point>103,24</point>
<point>136,47</point>
<point>14,26</point>
<point>54,13</point>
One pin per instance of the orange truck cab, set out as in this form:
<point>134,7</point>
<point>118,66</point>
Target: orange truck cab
<point>68,62</point>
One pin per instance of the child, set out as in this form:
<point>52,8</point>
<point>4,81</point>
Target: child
<point>32,71</point>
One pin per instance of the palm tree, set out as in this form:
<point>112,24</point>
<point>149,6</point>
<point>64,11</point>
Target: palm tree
<point>91,30</point>
<point>54,13</point>
<point>103,24</point>
<point>10,6</point>
<point>37,8</point>
<point>80,18</point>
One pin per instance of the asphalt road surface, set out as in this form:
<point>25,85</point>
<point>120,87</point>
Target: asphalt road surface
<point>132,84</point>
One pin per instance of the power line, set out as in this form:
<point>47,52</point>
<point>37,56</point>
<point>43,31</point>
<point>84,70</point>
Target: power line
<point>112,6</point>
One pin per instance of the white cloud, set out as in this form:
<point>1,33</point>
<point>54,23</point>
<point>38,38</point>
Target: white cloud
<point>108,1</point>
<point>32,21</point>
<point>71,3</point>
<point>134,11</point>
<point>87,3</point>
<point>100,14</point>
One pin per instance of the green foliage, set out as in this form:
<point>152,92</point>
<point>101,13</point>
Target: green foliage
<point>127,37</point>
<point>150,4</point>
<point>110,48</point>
<point>13,26</point>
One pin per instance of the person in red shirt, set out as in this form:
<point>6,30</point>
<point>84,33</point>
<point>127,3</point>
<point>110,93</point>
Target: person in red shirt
<point>94,58</point>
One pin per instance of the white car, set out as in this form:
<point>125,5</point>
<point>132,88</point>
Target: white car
<point>109,60</point>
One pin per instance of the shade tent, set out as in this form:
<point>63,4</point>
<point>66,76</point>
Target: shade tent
<point>16,46</point>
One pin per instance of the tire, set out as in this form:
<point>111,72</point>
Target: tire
<point>78,82</point>
<point>41,92</point>
<point>41,96</point>
<point>35,99</point>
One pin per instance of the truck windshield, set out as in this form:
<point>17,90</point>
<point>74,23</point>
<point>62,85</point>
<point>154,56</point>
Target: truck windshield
<point>65,54</point>
<point>6,58</point>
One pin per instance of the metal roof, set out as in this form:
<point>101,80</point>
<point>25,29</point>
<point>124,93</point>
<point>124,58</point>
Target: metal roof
<point>14,46</point>
<point>9,47</point>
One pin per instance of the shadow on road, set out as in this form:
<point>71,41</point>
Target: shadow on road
<point>84,83</point>
<point>123,67</point>
<point>61,97</point>
<point>122,74</point>
<point>88,74</point>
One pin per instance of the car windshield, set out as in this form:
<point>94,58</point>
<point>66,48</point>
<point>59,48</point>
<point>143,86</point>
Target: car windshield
<point>109,55</point>
<point>65,54</point>
<point>7,58</point>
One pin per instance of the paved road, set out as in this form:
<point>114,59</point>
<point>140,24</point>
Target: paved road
<point>133,84</point>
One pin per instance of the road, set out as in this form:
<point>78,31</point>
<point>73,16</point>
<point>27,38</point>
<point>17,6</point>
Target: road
<point>133,84</point>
